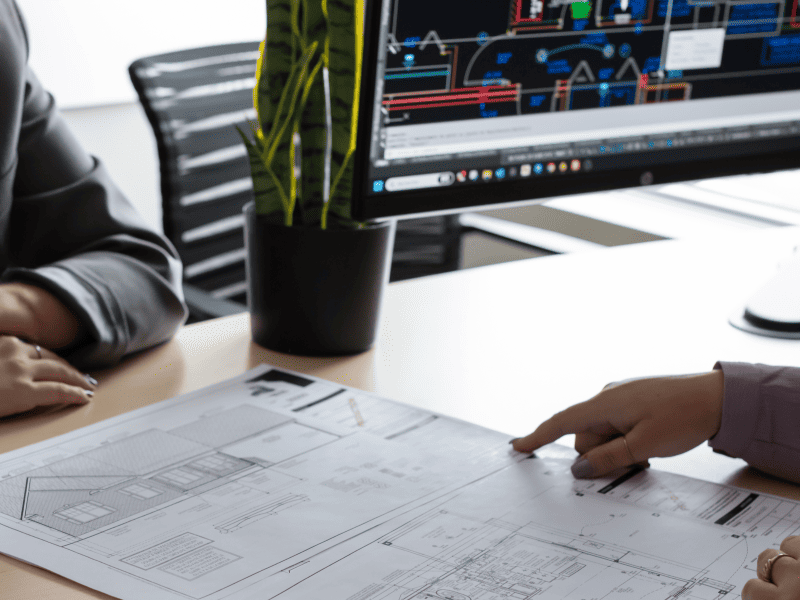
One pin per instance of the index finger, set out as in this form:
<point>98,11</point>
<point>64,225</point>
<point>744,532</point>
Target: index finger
<point>575,419</point>
<point>755,589</point>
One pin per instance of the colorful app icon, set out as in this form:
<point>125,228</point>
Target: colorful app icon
<point>377,185</point>
<point>551,167</point>
<point>525,170</point>
<point>538,168</point>
<point>500,173</point>
<point>461,176</point>
<point>473,175</point>
<point>563,166</point>
<point>487,174</point>
<point>575,165</point>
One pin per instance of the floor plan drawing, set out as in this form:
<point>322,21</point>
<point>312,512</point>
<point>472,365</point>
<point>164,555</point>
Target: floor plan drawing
<point>504,560</point>
<point>275,485</point>
<point>529,532</point>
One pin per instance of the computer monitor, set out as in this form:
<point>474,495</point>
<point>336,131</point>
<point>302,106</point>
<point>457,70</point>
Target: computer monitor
<point>475,103</point>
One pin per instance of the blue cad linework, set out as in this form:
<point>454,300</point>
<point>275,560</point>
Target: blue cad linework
<point>467,59</point>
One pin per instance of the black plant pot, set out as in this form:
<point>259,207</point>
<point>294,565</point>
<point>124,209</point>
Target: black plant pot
<point>312,291</point>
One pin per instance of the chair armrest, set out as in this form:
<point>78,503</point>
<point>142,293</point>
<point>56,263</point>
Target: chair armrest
<point>203,306</point>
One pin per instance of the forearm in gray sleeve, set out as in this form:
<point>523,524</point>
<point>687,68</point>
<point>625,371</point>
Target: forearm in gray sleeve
<point>74,233</point>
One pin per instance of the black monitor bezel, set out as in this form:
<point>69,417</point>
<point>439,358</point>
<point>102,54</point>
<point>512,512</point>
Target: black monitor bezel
<point>655,166</point>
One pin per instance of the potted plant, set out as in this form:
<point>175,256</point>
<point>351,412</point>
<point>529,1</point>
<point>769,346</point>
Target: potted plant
<point>315,276</point>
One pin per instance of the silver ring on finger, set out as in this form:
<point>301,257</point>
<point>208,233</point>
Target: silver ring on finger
<point>768,566</point>
<point>38,349</point>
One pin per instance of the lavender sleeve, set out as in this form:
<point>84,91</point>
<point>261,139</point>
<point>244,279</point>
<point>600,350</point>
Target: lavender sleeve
<point>761,417</point>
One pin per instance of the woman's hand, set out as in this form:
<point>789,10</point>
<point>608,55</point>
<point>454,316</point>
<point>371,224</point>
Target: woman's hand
<point>28,379</point>
<point>630,422</point>
<point>782,581</point>
<point>32,313</point>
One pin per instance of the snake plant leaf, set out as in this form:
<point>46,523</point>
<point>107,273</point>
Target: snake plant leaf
<point>275,62</point>
<point>304,203</point>
<point>345,28</point>
<point>296,85</point>
<point>278,150</point>
<point>267,197</point>
<point>279,144</point>
<point>257,88</point>
<point>312,118</point>
<point>273,77</point>
<point>291,99</point>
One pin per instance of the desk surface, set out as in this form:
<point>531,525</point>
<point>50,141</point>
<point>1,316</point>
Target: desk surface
<point>504,346</point>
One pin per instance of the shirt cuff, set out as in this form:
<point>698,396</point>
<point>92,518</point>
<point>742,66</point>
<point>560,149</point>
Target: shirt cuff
<point>739,408</point>
<point>99,344</point>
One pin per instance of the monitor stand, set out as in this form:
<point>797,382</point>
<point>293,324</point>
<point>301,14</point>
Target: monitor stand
<point>774,310</point>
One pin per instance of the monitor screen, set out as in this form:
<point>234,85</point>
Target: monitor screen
<point>468,103</point>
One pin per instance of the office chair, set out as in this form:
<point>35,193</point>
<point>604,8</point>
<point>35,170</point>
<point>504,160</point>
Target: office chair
<point>193,100</point>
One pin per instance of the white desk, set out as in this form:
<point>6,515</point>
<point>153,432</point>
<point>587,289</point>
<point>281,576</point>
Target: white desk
<point>504,346</point>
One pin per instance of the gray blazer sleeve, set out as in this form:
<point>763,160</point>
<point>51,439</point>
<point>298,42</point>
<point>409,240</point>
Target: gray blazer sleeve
<point>761,417</point>
<point>72,232</point>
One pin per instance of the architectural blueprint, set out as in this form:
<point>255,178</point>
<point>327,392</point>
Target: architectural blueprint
<point>529,531</point>
<point>281,485</point>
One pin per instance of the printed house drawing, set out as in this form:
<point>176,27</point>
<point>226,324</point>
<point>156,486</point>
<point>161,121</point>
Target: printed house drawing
<point>89,491</point>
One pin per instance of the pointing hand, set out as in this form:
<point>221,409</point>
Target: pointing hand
<point>630,422</point>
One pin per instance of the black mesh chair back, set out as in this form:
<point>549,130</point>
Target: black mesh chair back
<point>193,99</point>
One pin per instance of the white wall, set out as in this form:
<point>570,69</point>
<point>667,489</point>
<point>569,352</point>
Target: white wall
<point>121,136</point>
<point>81,49</point>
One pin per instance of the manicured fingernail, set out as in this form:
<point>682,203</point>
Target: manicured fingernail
<point>90,379</point>
<point>514,440</point>
<point>582,468</point>
<point>89,393</point>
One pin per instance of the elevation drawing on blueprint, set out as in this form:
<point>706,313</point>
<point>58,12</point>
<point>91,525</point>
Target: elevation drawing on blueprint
<point>198,496</point>
<point>281,485</point>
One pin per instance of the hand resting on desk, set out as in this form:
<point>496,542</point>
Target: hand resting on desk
<point>27,381</point>
<point>31,375</point>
